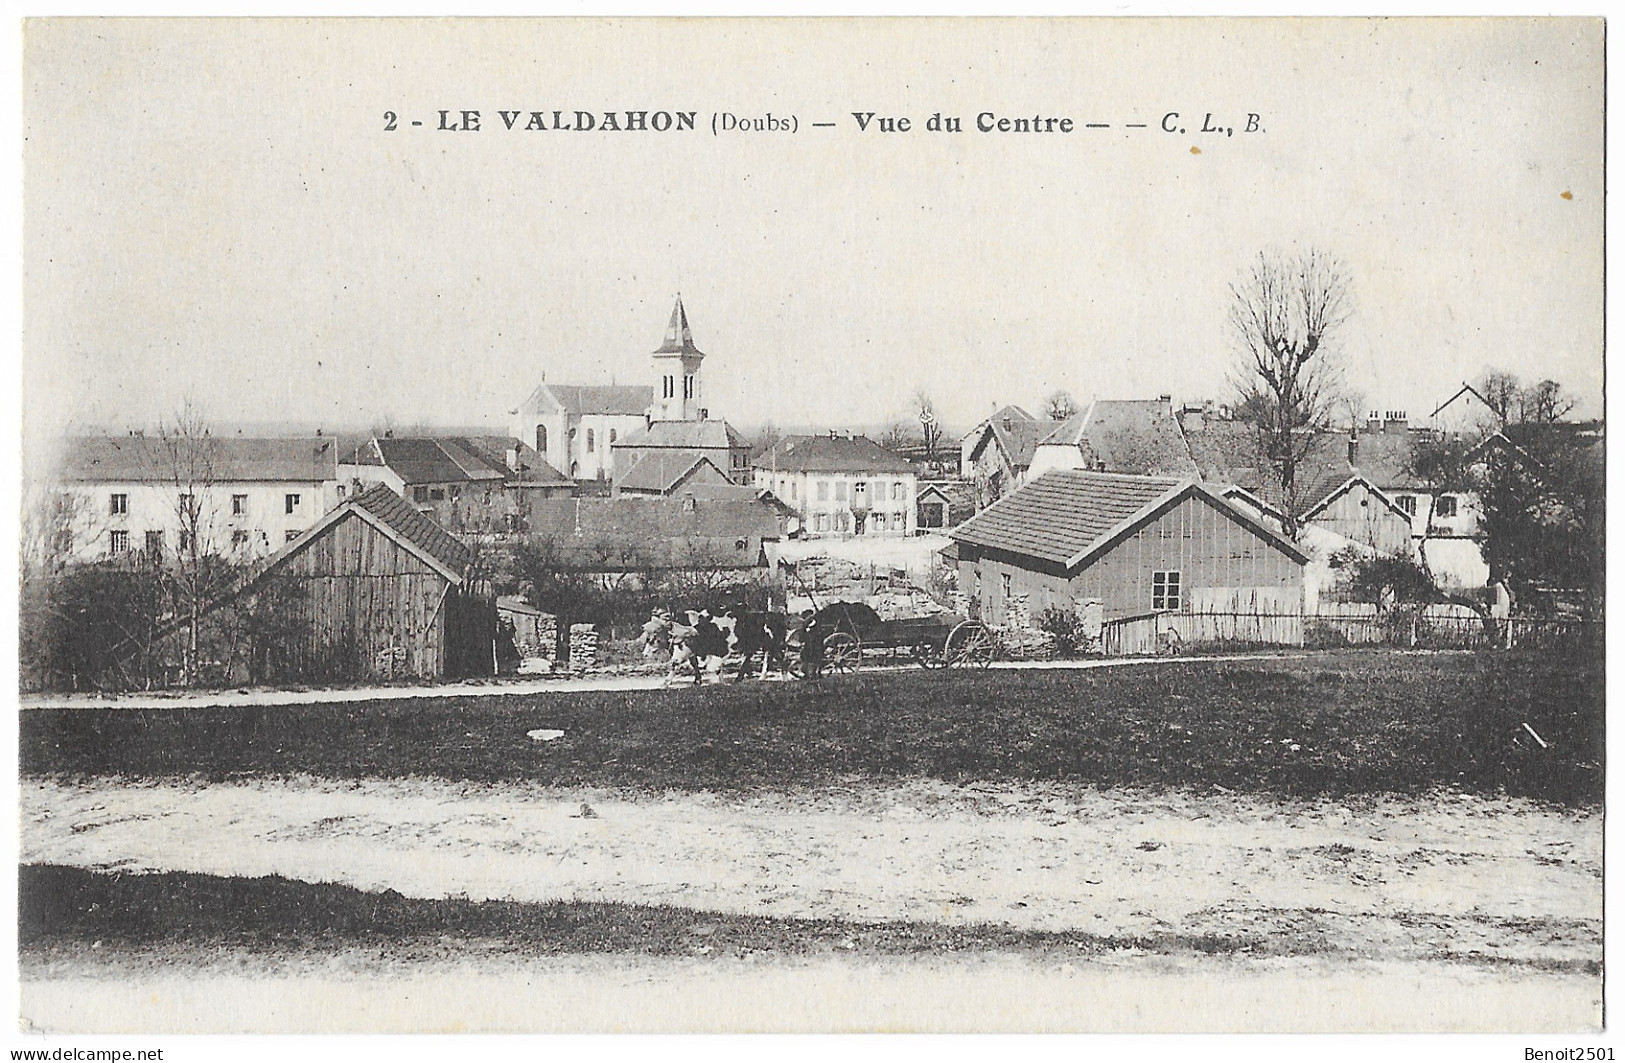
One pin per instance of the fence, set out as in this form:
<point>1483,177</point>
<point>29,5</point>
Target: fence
<point>1340,625</point>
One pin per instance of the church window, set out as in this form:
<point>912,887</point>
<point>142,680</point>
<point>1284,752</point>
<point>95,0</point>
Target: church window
<point>590,441</point>
<point>688,386</point>
<point>541,439</point>
<point>612,437</point>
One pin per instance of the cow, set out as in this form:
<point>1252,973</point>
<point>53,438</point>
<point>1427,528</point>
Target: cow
<point>700,639</point>
<point>754,633</point>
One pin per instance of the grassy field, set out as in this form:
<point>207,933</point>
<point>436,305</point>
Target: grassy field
<point>1330,724</point>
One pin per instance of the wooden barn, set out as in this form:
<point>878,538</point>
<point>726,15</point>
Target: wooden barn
<point>374,590</point>
<point>1139,545</point>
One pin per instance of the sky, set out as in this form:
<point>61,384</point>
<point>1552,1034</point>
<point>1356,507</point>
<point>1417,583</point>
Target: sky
<point>214,212</point>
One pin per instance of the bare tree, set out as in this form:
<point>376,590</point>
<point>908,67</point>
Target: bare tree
<point>897,437</point>
<point>766,437</point>
<point>1545,403</point>
<point>195,573</point>
<point>930,427</point>
<point>1283,313</point>
<point>1060,405</point>
<point>1503,394</point>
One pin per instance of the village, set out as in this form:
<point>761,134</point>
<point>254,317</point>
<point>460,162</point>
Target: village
<point>609,517</point>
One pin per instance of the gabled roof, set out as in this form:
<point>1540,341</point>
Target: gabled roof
<point>1137,436</point>
<point>626,400</point>
<point>663,471</point>
<point>679,340</point>
<point>1067,517</point>
<point>830,454</point>
<point>220,460</point>
<point>1348,485</point>
<point>395,518</point>
<point>1016,436</point>
<point>685,435</point>
<point>456,459</point>
<point>1004,413</point>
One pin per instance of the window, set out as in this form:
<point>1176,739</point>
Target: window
<point>1004,585</point>
<point>1445,506</point>
<point>239,537</point>
<point>897,491</point>
<point>541,439</point>
<point>290,503</point>
<point>118,505</point>
<point>118,541</point>
<point>612,437</point>
<point>591,441</point>
<point>239,505</point>
<point>455,492</point>
<point>1407,503</point>
<point>879,520</point>
<point>1165,590</point>
<point>840,490</point>
<point>420,493</point>
<point>823,490</point>
<point>290,535</point>
<point>340,490</point>
<point>437,494</point>
<point>823,522</point>
<point>189,506</point>
<point>860,494</point>
<point>792,490</point>
<point>667,388</point>
<point>186,541</point>
<point>155,542</point>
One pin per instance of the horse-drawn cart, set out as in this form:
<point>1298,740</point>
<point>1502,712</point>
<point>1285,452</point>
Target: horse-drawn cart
<point>842,635</point>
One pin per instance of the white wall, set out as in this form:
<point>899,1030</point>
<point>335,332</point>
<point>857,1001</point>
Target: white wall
<point>264,522</point>
<point>889,496</point>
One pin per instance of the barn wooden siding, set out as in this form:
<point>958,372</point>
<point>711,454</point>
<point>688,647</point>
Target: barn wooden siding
<point>363,607</point>
<point>1222,564</point>
<point>1360,515</point>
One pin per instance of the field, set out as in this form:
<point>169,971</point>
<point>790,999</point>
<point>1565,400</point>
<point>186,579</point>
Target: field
<point>1367,823</point>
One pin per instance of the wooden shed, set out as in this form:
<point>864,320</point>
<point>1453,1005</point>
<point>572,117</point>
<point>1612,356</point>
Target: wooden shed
<point>1137,544</point>
<point>374,590</point>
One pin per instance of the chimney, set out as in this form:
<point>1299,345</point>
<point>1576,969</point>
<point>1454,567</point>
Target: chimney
<point>1166,400</point>
<point>1354,445</point>
<point>1395,421</point>
<point>1373,421</point>
<point>833,434</point>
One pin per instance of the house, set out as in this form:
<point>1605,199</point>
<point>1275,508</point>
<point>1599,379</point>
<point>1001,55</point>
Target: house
<point>660,473</point>
<point>841,484</point>
<point>996,454</point>
<point>576,428</point>
<point>1140,437</point>
<point>678,442</point>
<point>469,484</point>
<point>944,504</point>
<point>1136,544</point>
<point>228,495</point>
<point>373,590</point>
<point>641,535</point>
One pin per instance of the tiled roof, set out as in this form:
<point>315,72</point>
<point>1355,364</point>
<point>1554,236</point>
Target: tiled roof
<point>533,468</point>
<point>1068,516</point>
<point>1229,452</point>
<point>413,526</point>
<point>830,454</point>
<point>226,459</point>
<point>1137,436</point>
<point>1011,413</point>
<point>1064,514</point>
<point>662,470</point>
<point>432,461</point>
<point>685,435</point>
<point>608,534</point>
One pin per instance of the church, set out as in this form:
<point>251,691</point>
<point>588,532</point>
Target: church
<point>656,436</point>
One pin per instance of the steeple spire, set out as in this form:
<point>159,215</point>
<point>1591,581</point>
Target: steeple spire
<point>679,340</point>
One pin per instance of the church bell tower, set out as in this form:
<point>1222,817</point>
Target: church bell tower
<point>677,372</point>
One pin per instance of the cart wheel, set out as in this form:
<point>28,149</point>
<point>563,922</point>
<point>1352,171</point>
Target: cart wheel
<point>969,645</point>
<point>842,654</point>
<point>928,654</point>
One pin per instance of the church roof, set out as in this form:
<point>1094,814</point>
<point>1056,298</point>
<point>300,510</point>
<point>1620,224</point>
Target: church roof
<point>679,340</point>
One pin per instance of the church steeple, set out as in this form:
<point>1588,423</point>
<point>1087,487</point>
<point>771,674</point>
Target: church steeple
<point>679,338</point>
<point>677,372</point>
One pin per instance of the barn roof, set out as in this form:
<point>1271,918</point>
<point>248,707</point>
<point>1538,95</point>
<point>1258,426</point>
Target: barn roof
<point>1069,516</point>
<point>832,453</point>
<point>662,471</point>
<point>455,459</point>
<point>219,459</point>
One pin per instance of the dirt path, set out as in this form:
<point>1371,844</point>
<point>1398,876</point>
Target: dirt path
<point>1499,881</point>
<point>530,687</point>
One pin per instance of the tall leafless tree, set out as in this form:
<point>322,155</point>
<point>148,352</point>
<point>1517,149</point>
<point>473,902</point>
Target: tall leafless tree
<point>195,572</point>
<point>1284,314</point>
<point>925,410</point>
